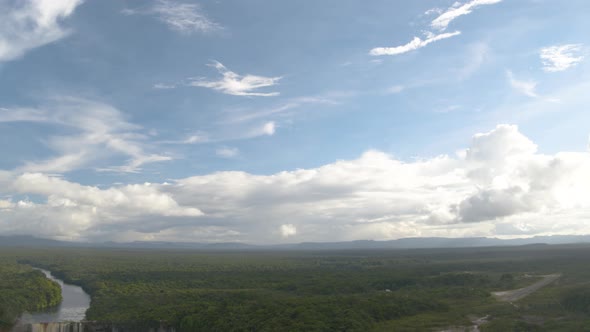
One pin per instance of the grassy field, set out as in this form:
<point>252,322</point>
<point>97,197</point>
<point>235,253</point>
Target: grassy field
<point>380,290</point>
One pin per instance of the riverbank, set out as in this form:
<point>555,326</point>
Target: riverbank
<point>23,289</point>
<point>65,316</point>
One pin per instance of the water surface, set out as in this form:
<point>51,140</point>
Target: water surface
<point>71,309</point>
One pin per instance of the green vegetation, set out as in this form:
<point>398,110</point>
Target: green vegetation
<point>393,290</point>
<point>24,289</point>
<point>577,299</point>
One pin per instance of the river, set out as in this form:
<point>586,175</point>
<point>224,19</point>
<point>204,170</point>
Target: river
<point>71,310</point>
<point>69,315</point>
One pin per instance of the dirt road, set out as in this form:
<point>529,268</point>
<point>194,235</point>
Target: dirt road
<point>517,294</point>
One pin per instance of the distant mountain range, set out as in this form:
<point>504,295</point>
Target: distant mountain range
<point>406,243</point>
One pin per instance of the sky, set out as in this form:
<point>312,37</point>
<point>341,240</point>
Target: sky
<point>290,121</point>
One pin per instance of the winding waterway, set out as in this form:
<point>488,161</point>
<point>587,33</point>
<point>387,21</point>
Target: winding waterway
<point>71,309</point>
<point>69,315</point>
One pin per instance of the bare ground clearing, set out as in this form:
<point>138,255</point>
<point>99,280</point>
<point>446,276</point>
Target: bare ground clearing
<point>517,294</point>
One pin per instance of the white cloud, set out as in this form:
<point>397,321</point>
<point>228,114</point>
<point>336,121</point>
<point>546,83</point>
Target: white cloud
<point>28,24</point>
<point>268,128</point>
<point>288,230</point>
<point>260,129</point>
<point>227,152</point>
<point>395,89</point>
<point>138,159</point>
<point>129,200</point>
<point>74,211</point>
<point>163,86</point>
<point>247,115</point>
<point>6,204</point>
<point>185,18</point>
<point>560,57</point>
<point>249,122</point>
<point>440,24</point>
<point>524,87</point>
<point>457,9</point>
<point>285,109</point>
<point>194,138</point>
<point>500,178</point>
<point>265,129</point>
<point>237,85</point>
<point>433,11</point>
<point>448,109</point>
<point>415,44</point>
<point>500,185</point>
<point>477,54</point>
<point>100,131</point>
<point>197,138</point>
<point>503,142</point>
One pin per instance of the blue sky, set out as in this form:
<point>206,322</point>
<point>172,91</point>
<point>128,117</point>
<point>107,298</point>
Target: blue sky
<point>280,121</point>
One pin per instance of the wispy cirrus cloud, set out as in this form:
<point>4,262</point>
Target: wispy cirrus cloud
<point>99,131</point>
<point>284,109</point>
<point>398,88</point>
<point>227,152</point>
<point>163,86</point>
<point>442,21</point>
<point>234,84</point>
<point>186,18</point>
<point>525,87</point>
<point>415,44</point>
<point>267,128</point>
<point>560,57</point>
<point>246,123</point>
<point>25,25</point>
<point>477,55</point>
<point>440,24</point>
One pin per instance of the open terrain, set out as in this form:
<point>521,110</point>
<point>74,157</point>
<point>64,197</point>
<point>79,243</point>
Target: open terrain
<point>517,294</point>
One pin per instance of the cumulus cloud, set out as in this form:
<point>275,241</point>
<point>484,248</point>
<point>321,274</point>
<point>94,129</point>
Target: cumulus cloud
<point>237,85</point>
<point>124,201</point>
<point>74,211</point>
<point>186,18</point>
<point>500,185</point>
<point>415,44</point>
<point>98,131</point>
<point>28,24</point>
<point>560,57</point>
<point>497,145</point>
<point>525,87</point>
<point>494,203</point>
<point>440,24</point>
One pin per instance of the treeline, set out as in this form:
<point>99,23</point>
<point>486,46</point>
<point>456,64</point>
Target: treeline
<point>24,289</point>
